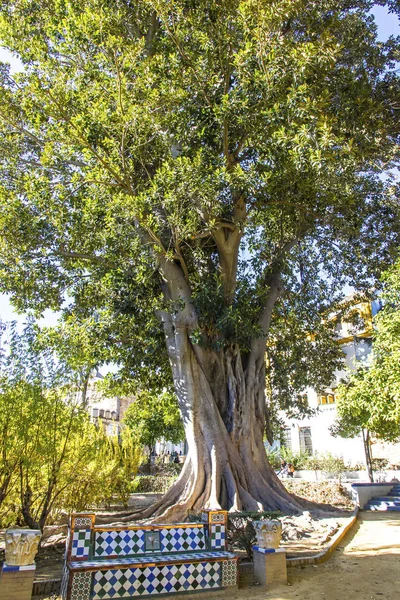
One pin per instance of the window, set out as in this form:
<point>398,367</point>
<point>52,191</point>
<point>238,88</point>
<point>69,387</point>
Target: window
<point>327,398</point>
<point>305,439</point>
<point>286,440</point>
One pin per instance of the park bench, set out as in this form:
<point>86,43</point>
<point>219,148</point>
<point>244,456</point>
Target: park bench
<point>128,561</point>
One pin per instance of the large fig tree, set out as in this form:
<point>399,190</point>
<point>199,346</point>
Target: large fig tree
<point>194,179</point>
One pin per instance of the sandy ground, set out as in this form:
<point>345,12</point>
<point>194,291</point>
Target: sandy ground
<point>365,566</point>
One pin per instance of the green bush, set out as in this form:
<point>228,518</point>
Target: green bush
<point>152,484</point>
<point>274,459</point>
<point>54,459</point>
<point>241,532</point>
<point>328,463</point>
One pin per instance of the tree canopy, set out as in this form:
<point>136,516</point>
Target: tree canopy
<point>371,398</point>
<point>202,178</point>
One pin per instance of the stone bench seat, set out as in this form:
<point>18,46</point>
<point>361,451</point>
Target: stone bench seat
<point>149,560</point>
<point>127,561</point>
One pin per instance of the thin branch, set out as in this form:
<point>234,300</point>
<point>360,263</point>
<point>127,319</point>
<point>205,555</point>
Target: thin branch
<point>21,129</point>
<point>82,256</point>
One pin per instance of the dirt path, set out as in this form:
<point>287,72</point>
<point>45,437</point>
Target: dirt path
<point>365,566</point>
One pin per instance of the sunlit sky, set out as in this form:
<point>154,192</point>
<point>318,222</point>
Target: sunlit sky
<point>388,24</point>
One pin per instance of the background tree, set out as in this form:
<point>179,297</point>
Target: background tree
<point>190,173</point>
<point>151,418</point>
<point>369,403</point>
<point>52,458</point>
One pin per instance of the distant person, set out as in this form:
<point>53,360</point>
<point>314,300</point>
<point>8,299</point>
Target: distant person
<point>290,470</point>
<point>283,471</point>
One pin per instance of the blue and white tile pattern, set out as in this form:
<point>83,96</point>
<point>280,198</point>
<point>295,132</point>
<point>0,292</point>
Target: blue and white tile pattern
<point>268,550</point>
<point>217,536</point>
<point>126,583</point>
<point>80,543</point>
<point>119,543</point>
<point>153,558</point>
<point>182,539</point>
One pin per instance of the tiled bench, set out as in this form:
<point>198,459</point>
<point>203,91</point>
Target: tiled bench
<point>104,563</point>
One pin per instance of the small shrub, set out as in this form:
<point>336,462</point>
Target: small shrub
<point>274,459</point>
<point>380,464</point>
<point>241,532</point>
<point>152,484</point>
<point>327,463</point>
<point>298,459</point>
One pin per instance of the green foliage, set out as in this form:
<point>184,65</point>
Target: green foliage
<point>200,137</point>
<point>371,397</point>
<point>152,417</point>
<point>52,457</point>
<point>152,484</point>
<point>327,463</point>
<point>274,459</point>
<point>298,459</point>
<point>241,532</point>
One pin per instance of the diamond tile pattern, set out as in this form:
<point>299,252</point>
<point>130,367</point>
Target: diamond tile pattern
<point>182,539</point>
<point>81,584</point>
<point>217,536</point>
<point>126,583</point>
<point>119,543</point>
<point>80,544</point>
<point>229,573</point>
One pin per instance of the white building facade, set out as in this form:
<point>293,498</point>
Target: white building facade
<point>312,434</point>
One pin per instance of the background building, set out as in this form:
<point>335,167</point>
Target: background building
<point>312,433</point>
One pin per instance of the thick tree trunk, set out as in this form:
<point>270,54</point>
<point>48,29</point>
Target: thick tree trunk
<point>222,402</point>
<point>223,409</point>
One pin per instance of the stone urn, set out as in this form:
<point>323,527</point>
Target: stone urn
<point>21,546</point>
<point>269,533</point>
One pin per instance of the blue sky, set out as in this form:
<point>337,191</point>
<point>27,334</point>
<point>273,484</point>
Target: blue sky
<point>388,24</point>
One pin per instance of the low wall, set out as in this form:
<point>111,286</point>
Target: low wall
<point>362,492</point>
<point>308,475</point>
<point>362,476</point>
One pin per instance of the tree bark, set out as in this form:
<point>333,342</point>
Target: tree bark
<point>221,396</point>
<point>368,453</point>
<point>223,410</point>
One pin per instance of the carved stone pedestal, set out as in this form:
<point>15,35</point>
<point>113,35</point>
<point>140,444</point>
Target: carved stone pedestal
<point>18,572</point>
<point>269,566</point>
<point>269,559</point>
<point>268,532</point>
